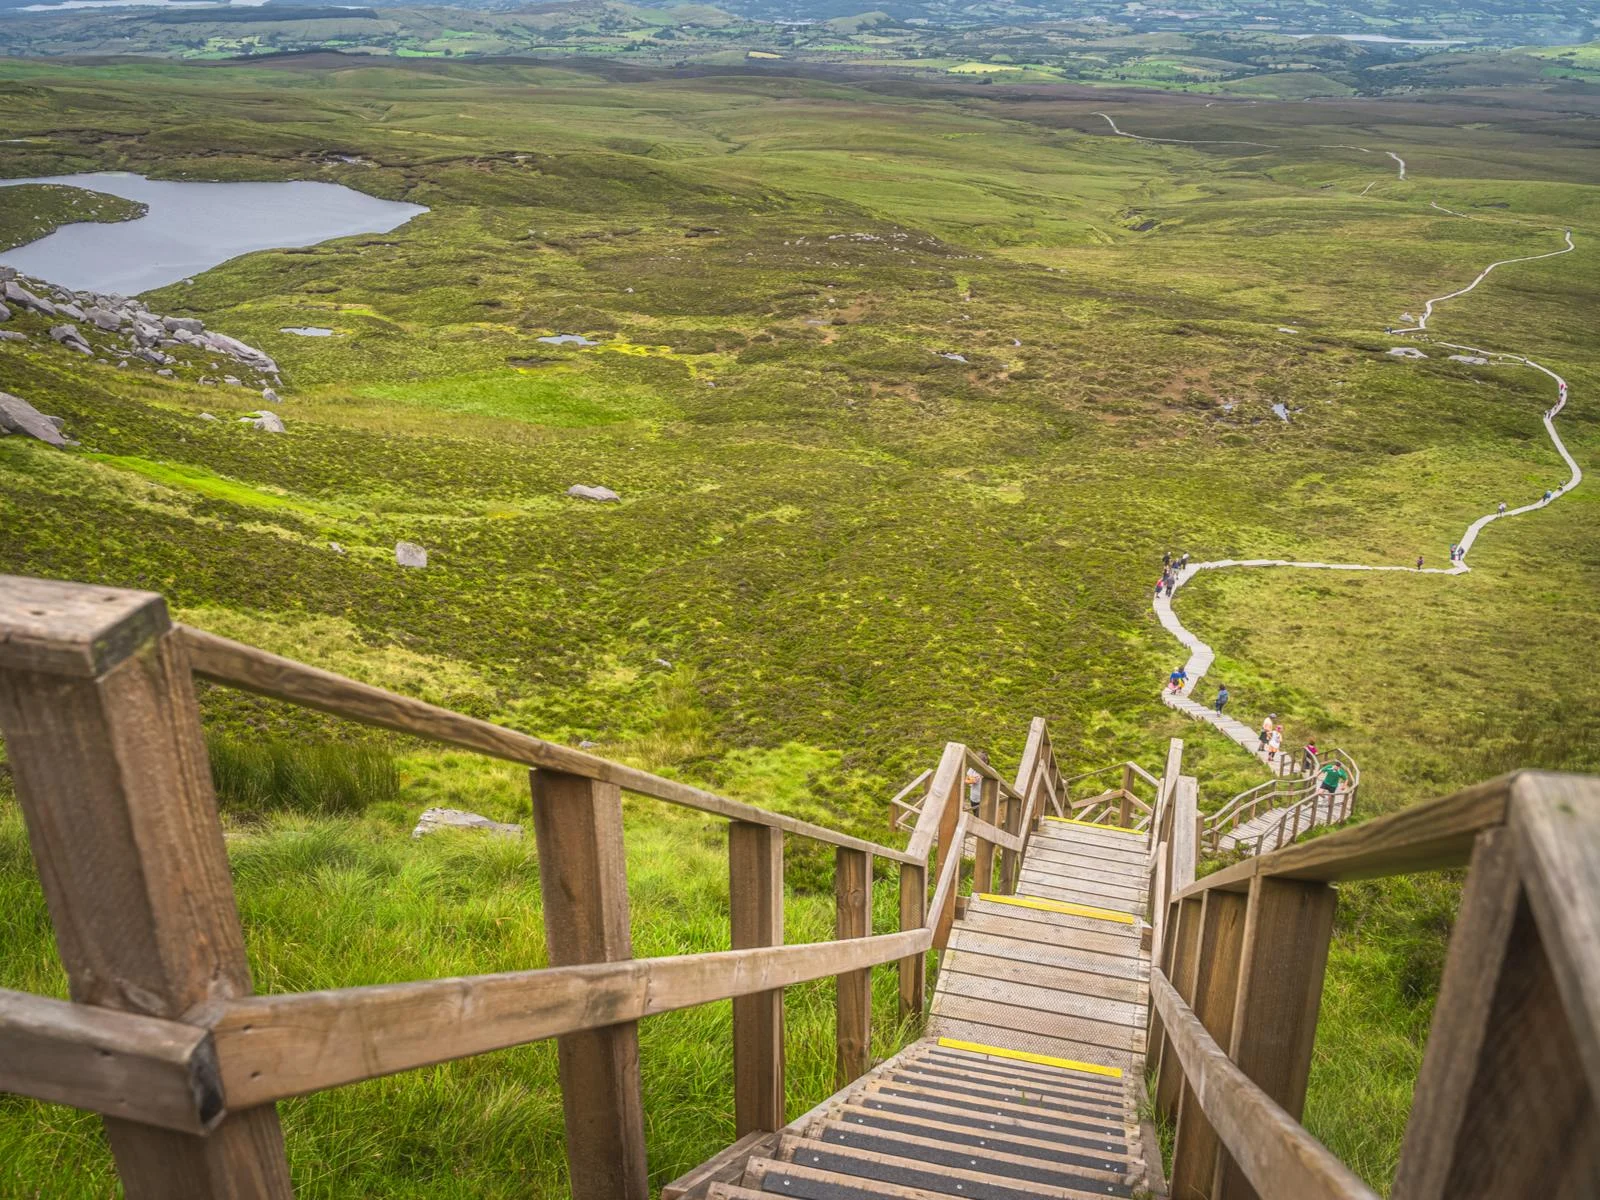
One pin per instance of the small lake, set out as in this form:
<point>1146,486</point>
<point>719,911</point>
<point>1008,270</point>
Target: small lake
<point>191,227</point>
<point>1383,39</point>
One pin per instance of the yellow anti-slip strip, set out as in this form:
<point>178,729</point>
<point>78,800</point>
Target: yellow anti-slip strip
<point>1138,833</point>
<point>1044,1060</point>
<point>1061,906</point>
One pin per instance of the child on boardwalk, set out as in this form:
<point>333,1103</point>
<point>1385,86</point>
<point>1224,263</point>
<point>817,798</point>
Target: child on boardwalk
<point>1222,699</point>
<point>1177,679</point>
<point>1266,732</point>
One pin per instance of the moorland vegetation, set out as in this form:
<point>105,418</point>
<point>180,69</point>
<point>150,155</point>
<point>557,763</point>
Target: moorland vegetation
<point>905,387</point>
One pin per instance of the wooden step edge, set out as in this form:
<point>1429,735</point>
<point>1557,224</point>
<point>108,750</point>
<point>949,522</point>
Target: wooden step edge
<point>1066,908</point>
<point>732,1191</point>
<point>1057,1122</point>
<point>1071,1066</point>
<point>1112,1160</point>
<point>781,1174</point>
<point>1021,1070</point>
<point>943,1106</point>
<point>796,1150</point>
<point>977,1158</point>
<point>935,1075</point>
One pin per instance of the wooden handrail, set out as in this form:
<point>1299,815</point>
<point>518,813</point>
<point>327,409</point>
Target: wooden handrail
<point>237,665</point>
<point>1274,1151</point>
<point>272,1047</point>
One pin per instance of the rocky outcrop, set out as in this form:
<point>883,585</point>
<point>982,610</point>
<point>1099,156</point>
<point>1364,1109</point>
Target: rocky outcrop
<point>409,554</point>
<point>125,331</point>
<point>265,420</point>
<point>18,416</point>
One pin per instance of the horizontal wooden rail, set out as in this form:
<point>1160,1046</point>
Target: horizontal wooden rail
<point>1274,1151</point>
<point>143,1069</point>
<point>1425,837</point>
<point>241,666</point>
<point>271,1047</point>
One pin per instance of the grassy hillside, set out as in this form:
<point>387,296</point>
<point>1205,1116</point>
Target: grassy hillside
<point>901,431</point>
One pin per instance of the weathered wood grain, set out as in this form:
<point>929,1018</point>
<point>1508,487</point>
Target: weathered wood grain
<point>852,890</point>
<point>583,881</point>
<point>1196,1146</point>
<point>144,1069</point>
<point>1275,1155</point>
<point>116,792</point>
<point>755,890</point>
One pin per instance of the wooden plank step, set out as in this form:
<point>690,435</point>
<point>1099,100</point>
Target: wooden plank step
<point>1120,855</point>
<point>969,1029</point>
<point>1051,953</point>
<point>955,980</point>
<point>1044,852</point>
<point>810,1163</point>
<point>1060,829</point>
<point>1075,874</point>
<point>1008,969</point>
<point>1050,1075</point>
<point>935,1108</point>
<point>1088,896</point>
<point>982,1101</point>
<point>1079,1088</point>
<point>1060,908</point>
<point>986,1008</point>
<point>1031,927</point>
<point>993,1163</point>
<point>931,1072</point>
<point>963,1135</point>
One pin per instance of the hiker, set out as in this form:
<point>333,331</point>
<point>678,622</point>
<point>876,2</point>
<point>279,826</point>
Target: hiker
<point>974,783</point>
<point>1454,550</point>
<point>1183,560</point>
<point>1334,776</point>
<point>1172,585</point>
<point>1308,758</point>
<point>1266,732</point>
<point>1547,495</point>
<point>1161,585</point>
<point>1274,743</point>
<point>1419,562</point>
<point>1166,561</point>
<point>1177,679</point>
<point>1222,699</point>
<point>1502,509</point>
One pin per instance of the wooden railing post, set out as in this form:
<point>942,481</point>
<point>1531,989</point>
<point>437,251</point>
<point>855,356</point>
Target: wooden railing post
<point>983,852</point>
<point>103,735</point>
<point>755,890</point>
<point>1182,968</point>
<point>1196,1148</point>
<point>1011,809</point>
<point>949,817</point>
<point>852,890</point>
<point>1287,928</point>
<point>1124,809</point>
<point>583,880</point>
<point>913,915</point>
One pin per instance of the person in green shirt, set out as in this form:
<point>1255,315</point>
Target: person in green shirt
<point>1334,776</point>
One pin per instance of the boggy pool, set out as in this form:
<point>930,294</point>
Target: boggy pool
<point>191,227</point>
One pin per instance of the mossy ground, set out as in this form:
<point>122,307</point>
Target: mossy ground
<point>29,211</point>
<point>837,548</point>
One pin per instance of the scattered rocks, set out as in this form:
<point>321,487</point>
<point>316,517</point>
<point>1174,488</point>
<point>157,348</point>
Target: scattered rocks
<point>11,335</point>
<point>1281,412</point>
<point>104,318</point>
<point>434,819</point>
<point>567,339</point>
<point>1406,352</point>
<point>264,420</point>
<point>335,547</point>
<point>960,358</point>
<point>583,491</point>
<point>18,416</point>
<point>69,337</point>
<point>1287,329</point>
<point>1470,359</point>
<point>165,372</point>
<point>209,417</point>
<point>5,313</point>
<point>409,554</point>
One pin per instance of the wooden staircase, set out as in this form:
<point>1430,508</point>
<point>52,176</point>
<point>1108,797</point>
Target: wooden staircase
<point>940,1119</point>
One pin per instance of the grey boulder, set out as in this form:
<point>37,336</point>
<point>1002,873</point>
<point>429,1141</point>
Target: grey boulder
<point>583,491</point>
<point>69,337</point>
<point>267,422</point>
<point>435,819</point>
<point>104,318</point>
<point>5,313</point>
<point>189,325</point>
<point>409,554</point>
<point>18,416</point>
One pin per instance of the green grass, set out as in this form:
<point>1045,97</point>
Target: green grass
<point>838,548</point>
<point>29,211</point>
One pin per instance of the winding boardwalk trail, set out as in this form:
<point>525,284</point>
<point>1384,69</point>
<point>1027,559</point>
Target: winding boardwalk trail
<point>1201,655</point>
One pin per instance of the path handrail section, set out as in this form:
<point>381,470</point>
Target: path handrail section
<point>163,1034</point>
<point>1289,794</point>
<point>1513,1056</point>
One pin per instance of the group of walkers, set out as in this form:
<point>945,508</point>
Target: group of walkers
<point>1171,568</point>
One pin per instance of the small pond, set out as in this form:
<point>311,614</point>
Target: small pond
<point>191,227</point>
<point>307,330</point>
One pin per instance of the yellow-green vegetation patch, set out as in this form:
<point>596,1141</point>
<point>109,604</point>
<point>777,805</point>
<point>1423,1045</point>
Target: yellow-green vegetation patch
<point>978,68</point>
<point>201,482</point>
<point>554,395</point>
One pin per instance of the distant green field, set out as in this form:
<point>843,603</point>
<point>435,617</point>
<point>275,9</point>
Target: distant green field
<point>905,387</point>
